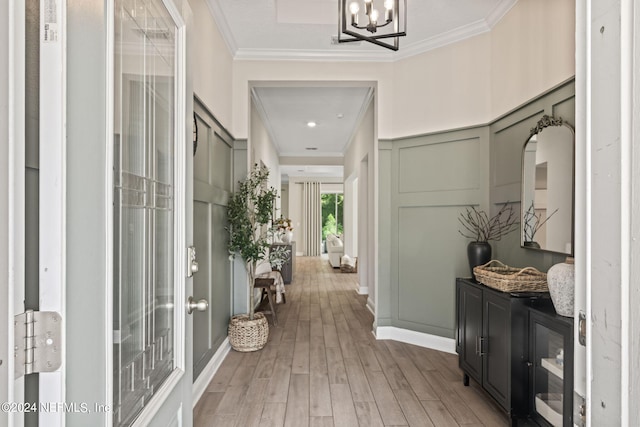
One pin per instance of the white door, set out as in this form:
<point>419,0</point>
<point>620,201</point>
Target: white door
<point>115,219</point>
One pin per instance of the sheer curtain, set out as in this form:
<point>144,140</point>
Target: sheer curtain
<point>312,217</point>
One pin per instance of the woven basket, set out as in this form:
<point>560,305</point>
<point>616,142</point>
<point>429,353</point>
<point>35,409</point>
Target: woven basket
<point>496,275</point>
<point>248,335</point>
<point>345,268</point>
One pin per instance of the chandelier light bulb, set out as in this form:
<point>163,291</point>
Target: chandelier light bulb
<point>388,5</point>
<point>393,17</point>
<point>374,16</point>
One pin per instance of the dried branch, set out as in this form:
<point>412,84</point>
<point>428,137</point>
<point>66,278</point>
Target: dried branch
<point>532,222</point>
<point>479,227</point>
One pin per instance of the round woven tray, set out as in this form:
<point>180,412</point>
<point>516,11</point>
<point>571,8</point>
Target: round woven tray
<point>496,275</point>
<point>248,335</point>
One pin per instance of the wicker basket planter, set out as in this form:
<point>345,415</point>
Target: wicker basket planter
<point>346,268</point>
<point>496,275</point>
<point>248,335</point>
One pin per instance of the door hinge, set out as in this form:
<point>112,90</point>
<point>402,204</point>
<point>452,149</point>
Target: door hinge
<point>580,408</point>
<point>582,328</point>
<point>37,343</point>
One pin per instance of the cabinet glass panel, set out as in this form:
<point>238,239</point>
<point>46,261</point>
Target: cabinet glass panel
<point>549,374</point>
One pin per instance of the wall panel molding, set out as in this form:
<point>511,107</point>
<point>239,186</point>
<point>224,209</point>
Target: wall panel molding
<point>433,177</point>
<point>426,253</point>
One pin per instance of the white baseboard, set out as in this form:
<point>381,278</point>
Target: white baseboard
<point>205,377</point>
<point>371,306</point>
<point>363,290</point>
<point>448,345</point>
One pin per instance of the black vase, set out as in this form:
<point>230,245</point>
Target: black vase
<point>479,253</point>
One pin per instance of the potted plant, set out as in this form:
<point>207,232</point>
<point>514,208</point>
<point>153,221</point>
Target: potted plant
<point>249,214</point>
<point>531,223</point>
<point>481,228</point>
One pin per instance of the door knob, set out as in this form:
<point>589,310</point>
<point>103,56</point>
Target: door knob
<point>200,305</point>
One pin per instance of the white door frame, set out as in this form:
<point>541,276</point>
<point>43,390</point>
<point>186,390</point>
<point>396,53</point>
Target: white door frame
<point>52,223</point>
<point>12,195</point>
<point>607,211</point>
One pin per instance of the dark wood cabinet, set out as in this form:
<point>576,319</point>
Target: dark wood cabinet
<point>289,267</point>
<point>492,341</point>
<point>469,331</point>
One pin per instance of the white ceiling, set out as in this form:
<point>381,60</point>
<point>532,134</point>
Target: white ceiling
<point>307,171</point>
<point>303,29</point>
<point>286,112</point>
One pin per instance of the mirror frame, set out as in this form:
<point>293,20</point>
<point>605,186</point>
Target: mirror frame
<point>545,122</point>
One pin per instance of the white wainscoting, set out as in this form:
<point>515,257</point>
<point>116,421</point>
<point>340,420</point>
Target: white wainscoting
<point>434,342</point>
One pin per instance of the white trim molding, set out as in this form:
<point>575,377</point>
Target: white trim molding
<point>362,290</point>
<point>371,306</point>
<point>434,342</point>
<point>207,374</point>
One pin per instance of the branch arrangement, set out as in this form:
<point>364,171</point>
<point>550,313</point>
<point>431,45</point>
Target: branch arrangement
<point>531,222</point>
<point>482,228</point>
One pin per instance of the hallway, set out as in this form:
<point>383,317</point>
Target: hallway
<point>323,367</point>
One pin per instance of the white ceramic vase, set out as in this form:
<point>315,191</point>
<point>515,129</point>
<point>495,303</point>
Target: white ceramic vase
<point>287,236</point>
<point>560,279</point>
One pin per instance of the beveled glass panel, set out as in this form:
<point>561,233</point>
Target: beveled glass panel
<point>144,143</point>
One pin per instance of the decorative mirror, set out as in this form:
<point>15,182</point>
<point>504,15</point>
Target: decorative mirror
<point>548,187</point>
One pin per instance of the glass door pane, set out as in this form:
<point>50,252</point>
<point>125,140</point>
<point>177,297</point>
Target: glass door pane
<point>549,374</point>
<point>144,121</point>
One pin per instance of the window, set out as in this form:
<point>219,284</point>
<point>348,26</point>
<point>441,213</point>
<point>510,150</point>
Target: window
<point>332,217</point>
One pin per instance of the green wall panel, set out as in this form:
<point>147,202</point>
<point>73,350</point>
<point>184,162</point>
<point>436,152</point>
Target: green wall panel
<point>421,166</point>
<point>429,260</point>
<point>433,178</point>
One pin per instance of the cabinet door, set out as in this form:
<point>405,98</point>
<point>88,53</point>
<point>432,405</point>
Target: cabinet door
<point>470,330</point>
<point>495,347</point>
<point>551,354</point>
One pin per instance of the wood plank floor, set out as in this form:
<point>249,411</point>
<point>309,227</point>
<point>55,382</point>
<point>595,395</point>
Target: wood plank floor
<point>323,367</point>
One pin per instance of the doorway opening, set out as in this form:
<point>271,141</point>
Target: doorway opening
<point>332,216</point>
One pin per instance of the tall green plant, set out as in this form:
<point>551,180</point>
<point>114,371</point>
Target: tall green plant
<point>249,212</point>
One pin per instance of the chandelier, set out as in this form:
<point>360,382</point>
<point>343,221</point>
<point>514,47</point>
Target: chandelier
<point>369,24</point>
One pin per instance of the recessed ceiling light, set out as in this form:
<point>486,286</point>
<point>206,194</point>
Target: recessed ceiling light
<point>311,124</point>
<point>340,115</point>
<point>311,148</point>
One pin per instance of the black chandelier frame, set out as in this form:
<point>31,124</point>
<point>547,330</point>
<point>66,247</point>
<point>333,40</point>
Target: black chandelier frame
<point>348,33</point>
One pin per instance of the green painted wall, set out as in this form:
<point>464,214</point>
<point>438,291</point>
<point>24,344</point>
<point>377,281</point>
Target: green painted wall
<point>425,182</point>
<point>508,135</point>
<point>433,178</point>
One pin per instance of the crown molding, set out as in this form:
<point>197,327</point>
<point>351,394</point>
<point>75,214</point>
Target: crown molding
<point>262,112</point>
<point>363,109</point>
<point>458,34</point>
<point>308,154</point>
<point>499,12</point>
<point>311,55</point>
<point>223,26</point>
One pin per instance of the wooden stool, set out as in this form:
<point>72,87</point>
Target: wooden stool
<point>265,284</point>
